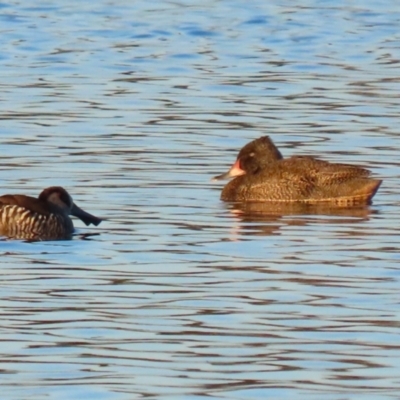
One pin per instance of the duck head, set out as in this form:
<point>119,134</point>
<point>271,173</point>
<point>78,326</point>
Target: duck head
<point>252,158</point>
<point>59,197</point>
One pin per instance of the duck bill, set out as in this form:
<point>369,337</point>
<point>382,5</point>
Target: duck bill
<point>234,171</point>
<point>85,217</point>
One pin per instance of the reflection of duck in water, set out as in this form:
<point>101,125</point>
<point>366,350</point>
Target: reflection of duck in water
<point>268,218</point>
<point>264,211</point>
<point>42,218</point>
<point>263,175</point>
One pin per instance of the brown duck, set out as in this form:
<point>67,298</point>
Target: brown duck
<point>262,174</point>
<point>42,218</point>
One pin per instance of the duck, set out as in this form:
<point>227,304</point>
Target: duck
<point>261,174</point>
<point>44,218</point>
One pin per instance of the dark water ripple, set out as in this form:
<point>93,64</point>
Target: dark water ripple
<point>133,107</point>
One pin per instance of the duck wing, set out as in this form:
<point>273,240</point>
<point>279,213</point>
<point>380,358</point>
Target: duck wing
<point>324,172</point>
<point>28,202</point>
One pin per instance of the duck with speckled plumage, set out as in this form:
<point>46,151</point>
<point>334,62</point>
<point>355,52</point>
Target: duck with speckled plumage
<point>261,174</point>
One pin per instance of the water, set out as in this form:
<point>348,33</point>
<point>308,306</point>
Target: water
<point>133,107</point>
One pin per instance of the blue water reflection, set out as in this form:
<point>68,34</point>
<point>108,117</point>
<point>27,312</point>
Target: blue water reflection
<point>133,107</point>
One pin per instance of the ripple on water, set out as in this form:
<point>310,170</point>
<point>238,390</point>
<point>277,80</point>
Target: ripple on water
<point>133,107</point>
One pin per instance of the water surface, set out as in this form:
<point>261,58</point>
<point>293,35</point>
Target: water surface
<point>133,107</point>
